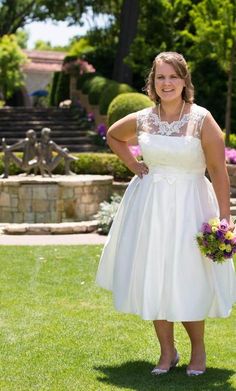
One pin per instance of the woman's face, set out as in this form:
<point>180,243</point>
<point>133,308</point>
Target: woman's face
<point>168,84</point>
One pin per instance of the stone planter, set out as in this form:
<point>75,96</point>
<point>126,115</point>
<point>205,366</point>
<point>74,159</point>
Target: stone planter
<point>26,199</point>
<point>74,93</point>
<point>99,118</point>
<point>85,102</point>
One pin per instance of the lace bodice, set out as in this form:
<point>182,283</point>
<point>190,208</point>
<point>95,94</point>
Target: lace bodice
<point>189,125</point>
<point>175,146</point>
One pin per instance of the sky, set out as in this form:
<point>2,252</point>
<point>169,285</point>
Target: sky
<point>60,34</point>
<point>57,35</point>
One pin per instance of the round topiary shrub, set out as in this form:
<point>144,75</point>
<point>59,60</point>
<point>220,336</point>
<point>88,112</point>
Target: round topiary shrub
<point>96,88</point>
<point>110,92</point>
<point>125,104</point>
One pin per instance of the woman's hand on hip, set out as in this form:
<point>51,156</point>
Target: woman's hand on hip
<point>139,168</point>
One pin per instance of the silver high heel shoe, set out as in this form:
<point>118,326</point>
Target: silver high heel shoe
<point>159,371</point>
<point>193,372</point>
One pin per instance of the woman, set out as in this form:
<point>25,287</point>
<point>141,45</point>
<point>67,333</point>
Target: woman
<point>151,260</point>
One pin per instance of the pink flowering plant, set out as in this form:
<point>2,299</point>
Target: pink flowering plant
<point>216,241</point>
<point>135,150</point>
<point>230,155</point>
<point>77,66</point>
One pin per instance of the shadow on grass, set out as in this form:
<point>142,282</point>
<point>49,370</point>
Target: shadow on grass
<point>136,375</point>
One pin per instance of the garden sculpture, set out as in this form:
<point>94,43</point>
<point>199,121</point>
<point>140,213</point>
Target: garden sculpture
<point>47,148</point>
<point>44,155</point>
<point>29,160</point>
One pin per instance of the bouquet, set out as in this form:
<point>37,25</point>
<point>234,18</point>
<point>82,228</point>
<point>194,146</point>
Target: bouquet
<point>216,241</point>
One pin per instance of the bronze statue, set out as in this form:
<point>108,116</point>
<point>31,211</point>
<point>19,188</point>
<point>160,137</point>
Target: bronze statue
<point>47,160</point>
<point>44,155</point>
<point>29,159</point>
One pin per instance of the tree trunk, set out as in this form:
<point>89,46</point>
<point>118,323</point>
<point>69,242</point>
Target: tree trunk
<point>128,29</point>
<point>229,94</point>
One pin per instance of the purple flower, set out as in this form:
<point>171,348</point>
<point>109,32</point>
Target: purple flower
<point>224,226</point>
<point>90,117</point>
<point>102,130</point>
<point>206,228</point>
<point>220,235</point>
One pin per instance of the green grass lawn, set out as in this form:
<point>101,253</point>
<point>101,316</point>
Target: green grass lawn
<point>59,331</point>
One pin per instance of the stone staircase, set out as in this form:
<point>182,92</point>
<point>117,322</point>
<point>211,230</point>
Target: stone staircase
<point>69,126</point>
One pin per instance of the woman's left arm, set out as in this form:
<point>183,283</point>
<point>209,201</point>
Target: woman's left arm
<point>214,150</point>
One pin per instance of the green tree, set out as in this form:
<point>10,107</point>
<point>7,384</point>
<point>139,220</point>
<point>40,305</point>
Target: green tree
<point>122,72</point>
<point>215,38</point>
<point>42,45</point>
<point>158,31</point>
<point>11,60</point>
<point>17,13</point>
<point>22,37</point>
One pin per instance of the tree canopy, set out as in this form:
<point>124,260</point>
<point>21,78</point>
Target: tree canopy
<point>17,13</point>
<point>215,38</point>
<point>11,60</point>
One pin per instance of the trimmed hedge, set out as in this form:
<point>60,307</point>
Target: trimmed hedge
<point>87,83</point>
<point>96,88</point>
<point>87,163</point>
<point>63,88</point>
<point>125,104</point>
<point>101,164</point>
<point>52,99</point>
<point>83,78</point>
<point>110,92</point>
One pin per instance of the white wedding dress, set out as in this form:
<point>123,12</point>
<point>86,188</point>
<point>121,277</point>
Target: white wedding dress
<point>151,260</point>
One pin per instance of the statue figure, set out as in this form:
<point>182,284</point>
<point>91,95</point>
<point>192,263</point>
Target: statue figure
<point>47,160</point>
<point>36,155</point>
<point>29,159</point>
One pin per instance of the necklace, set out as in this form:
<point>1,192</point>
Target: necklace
<point>180,114</point>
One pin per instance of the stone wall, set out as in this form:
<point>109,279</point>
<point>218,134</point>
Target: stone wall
<point>29,199</point>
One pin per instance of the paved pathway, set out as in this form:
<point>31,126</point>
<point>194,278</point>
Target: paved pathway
<point>44,240</point>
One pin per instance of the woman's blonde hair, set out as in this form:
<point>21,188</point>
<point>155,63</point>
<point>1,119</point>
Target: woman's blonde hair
<point>181,68</point>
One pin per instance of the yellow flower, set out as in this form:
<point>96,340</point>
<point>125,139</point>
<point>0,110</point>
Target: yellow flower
<point>214,228</point>
<point>214,222</point>
<point>229,235</point>
<point>222,246</point>
<point>228,248</point>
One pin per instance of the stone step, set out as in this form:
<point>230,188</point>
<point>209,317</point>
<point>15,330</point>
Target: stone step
<point>60,139</point>
<point>45,115</point>
<point>55,133</point>
<point>233,210</point>
<point>22,109</point>
<point>56,119</point>
<point>50,228</point>
<point>69,126</point>
<point>84,148</point>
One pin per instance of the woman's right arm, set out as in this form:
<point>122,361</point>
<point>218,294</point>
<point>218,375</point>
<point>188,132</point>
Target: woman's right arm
<point>118,136</point>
